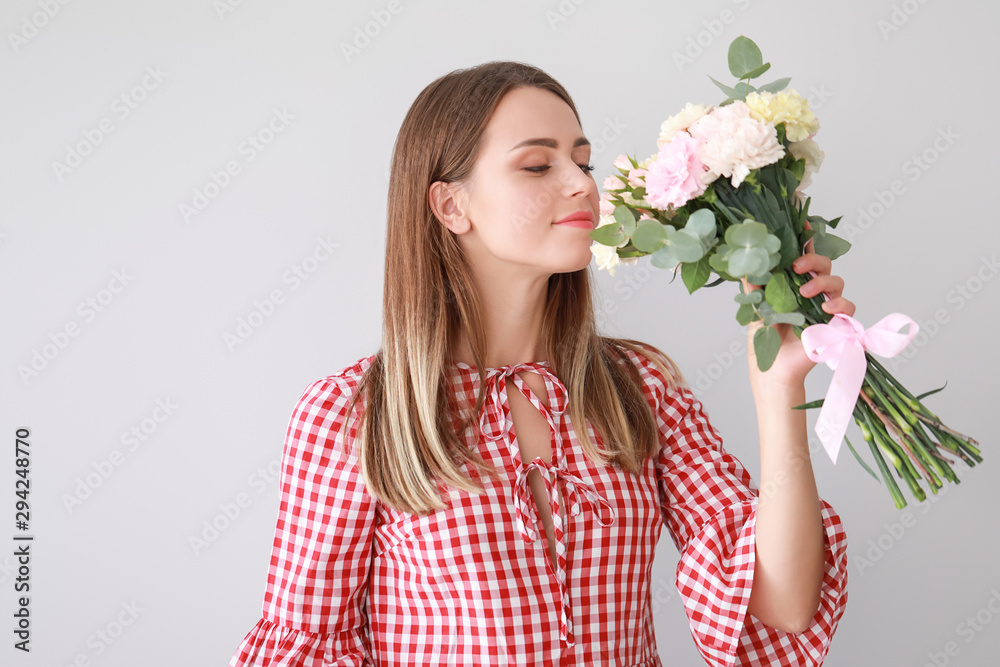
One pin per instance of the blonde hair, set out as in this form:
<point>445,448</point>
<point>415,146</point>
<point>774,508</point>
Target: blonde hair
<point>406,441</point>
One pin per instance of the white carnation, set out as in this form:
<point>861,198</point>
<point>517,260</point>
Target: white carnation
<point>680,121</point>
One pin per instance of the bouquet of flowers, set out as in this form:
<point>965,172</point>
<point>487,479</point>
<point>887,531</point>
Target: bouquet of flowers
<point>724,195</point>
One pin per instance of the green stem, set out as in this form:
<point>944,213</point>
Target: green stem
<point>927,445</point>
<point>897,496</point>
<point>913,446</point>
<point>919,408</point>
<point>894,458</point>
<point>885,426</point>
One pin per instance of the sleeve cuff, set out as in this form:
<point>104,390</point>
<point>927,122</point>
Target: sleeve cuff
<point>270,645</point>
<point>715,577</point>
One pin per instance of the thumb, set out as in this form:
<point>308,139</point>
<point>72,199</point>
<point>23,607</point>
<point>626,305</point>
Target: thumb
<point>749,287</point>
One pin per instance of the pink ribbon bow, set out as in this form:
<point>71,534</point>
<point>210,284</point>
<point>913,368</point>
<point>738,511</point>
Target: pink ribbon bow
<point>841,344</point>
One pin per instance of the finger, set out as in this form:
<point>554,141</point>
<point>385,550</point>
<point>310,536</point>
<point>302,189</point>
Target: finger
<point>833,286</point>
<point>810,261</point>
<point>839,305</point>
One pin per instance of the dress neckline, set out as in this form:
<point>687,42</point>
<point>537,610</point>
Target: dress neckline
<point>489,370</point>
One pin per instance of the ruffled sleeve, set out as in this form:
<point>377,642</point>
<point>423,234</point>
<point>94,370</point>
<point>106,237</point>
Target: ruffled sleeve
<point>315,602</point>
<point>709,504</point>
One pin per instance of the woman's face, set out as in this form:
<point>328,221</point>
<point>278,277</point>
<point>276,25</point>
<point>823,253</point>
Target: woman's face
<point>533,170</point>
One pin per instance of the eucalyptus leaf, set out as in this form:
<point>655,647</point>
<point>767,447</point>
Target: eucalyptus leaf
<point>745,261</point>
<point>797,319</point>
<point>766,343</point>
<point>753,296</point>
<point>757,72</point>
<point>664,259</point>
<point>766,311</point>
<point>775,86</point>
<point>772,244</point>
<point>623,214</point>
<point>610,235</point>
<point>748,234</point>
<point>724,88</point>
<point>684,246</point>
<point>702,226</point>
<point>745,315</point>
<point>649,236</point>
<point>744,57</point>
<point>719,263</point>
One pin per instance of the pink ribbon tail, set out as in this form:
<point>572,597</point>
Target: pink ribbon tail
<point>842,344</point>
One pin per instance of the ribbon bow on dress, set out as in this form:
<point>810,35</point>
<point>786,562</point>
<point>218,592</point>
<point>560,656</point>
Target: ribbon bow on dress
<point>495,422</point>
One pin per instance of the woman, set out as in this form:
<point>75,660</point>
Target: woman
<point>489,487</point>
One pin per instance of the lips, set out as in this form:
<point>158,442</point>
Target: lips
<point>583,219</point>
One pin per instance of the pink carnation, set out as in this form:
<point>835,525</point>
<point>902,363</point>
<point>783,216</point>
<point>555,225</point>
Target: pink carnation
<point>675,177</point>
<point>607,208</point>
<point>735,142</point>
<point>613,183</point>
<point>636,176</point>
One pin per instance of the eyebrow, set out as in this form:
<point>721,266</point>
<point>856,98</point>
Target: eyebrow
<point>550,143</point>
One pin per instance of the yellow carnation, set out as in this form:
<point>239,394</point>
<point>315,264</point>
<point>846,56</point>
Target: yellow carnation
<point>787,107</point>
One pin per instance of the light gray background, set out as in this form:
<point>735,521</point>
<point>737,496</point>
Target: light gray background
<point>882,97</point>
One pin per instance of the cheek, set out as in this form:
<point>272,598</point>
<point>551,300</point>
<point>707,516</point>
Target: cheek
<point>528,207</point>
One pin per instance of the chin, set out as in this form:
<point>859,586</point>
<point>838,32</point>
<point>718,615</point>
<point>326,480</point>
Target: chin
<point>576,263</point>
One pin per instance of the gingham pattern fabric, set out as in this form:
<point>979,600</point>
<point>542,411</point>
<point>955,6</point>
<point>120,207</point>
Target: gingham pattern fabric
<point>352,582</point>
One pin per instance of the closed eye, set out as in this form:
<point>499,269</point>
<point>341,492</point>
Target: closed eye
<point>543,168</point>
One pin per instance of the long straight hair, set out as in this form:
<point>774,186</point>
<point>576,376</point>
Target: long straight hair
<point>407,444</point>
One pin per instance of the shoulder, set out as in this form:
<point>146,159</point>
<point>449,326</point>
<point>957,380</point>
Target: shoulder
<point>660,376</point>
<point>325,406</point>
<point>345,380</point>
<point>662,382</point>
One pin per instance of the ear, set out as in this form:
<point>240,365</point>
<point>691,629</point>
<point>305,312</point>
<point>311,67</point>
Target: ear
<point>447,202</point>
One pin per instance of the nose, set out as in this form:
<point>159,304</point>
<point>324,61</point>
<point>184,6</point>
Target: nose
<point>576,182</point>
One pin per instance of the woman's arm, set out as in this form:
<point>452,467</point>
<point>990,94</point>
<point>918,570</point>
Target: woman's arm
<point>315,602</point>
<point>789,542</point>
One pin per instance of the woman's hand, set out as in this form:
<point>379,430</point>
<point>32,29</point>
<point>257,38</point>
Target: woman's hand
<point>792,365</point>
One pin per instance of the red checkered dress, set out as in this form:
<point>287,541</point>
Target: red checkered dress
<point>352,582</point>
